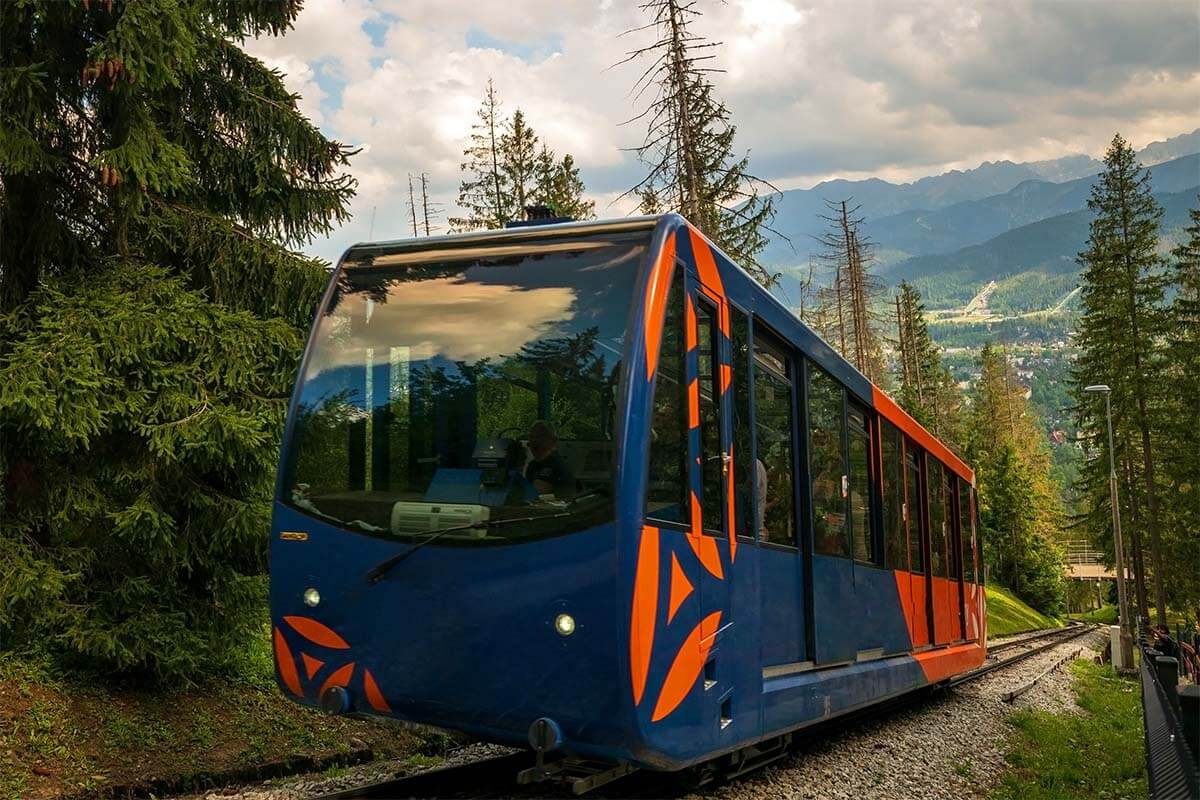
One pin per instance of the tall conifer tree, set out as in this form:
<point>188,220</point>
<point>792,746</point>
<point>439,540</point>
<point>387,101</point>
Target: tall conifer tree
<point>150,321</point>
<point>484,194</point>
<point>518,162</point>
<point>926,388</point>
<point>1118,337</point>
<point>693,167</point>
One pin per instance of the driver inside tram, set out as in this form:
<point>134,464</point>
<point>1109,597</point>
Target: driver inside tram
<point>548,470</point>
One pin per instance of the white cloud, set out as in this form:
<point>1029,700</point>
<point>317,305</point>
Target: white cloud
<point>816,88</point>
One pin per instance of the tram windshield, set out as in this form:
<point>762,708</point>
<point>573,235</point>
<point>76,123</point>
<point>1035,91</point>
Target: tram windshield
<point>453,391</point>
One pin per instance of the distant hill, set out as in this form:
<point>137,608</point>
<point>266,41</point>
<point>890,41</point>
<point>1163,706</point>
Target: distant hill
<point>918,230</point>
<point>1034,264</point>
<point>964,224</point>
<point>1176,146</point>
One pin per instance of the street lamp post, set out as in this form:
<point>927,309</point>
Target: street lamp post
<point>1122,602</point>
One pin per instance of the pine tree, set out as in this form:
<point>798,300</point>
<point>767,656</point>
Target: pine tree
<point>560,187</point>
<point>485,193</point>
<point>1020,515</point>
<point>518,163</point>
<point>693,168</point>
<point>1181,461</point>
<point>926,388</point>
<point>151,322</point>
<point>1118,336</point>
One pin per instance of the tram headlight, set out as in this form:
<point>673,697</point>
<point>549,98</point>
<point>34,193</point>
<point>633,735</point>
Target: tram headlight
<point>311,597</point>
<point>564,624</point>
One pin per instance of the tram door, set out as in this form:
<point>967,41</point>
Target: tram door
<point>919,596</point>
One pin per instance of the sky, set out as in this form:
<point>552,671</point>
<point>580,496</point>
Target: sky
<point>846,88</point>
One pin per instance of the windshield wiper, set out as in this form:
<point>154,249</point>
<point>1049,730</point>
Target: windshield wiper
<point>381,569</point>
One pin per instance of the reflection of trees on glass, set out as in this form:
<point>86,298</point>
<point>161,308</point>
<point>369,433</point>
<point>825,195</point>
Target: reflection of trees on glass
<point>951,556</point>
<point>894,545</point>
<point>744,525</point>
<point>667,487</point>
<point>827,464</point>
<point>773,406</point>
<point>860,487</point>
<point>425,380</point>
<point>912,494</point>
<point>711,470</point>
<point>937,516</point>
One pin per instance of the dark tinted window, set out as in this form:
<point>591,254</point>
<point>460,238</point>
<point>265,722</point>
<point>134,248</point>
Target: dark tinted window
<point>894,544</point>
<point>711,467</point>
<point>667,487</point>
<point>743,486</point>
<point>952,529</point>
<point>774,431</point>
<point>860,486</point>
<point>468,391</point>
<point>968,535</point>
<point>827,465</point>
<point>937,515</point>
<point>912,508</point>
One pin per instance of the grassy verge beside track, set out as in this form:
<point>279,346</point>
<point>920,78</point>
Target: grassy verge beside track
<point>72,734</point>
<point>1007,614</point>
<point>1105,615</point>
<point>1095,753</point>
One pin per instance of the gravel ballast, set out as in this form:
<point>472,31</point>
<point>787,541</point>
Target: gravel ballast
<point>949,747</point>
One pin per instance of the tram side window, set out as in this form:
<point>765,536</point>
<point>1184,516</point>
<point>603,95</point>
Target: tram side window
<point>894,546</point>
<point>827,464</point>
<point>912,509</point>
<point>710,416</point>
<point>953,532</point>
<point>773,469</point>
<point>937,516</point>
<point>968,532</point>
<point>860,485</point>
<point>743,489</point>
<point>667,487</point>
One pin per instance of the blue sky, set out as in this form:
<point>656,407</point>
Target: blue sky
<point>817,89</point>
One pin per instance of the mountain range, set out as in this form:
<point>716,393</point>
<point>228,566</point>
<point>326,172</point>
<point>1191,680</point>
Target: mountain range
<point>1019,223</point>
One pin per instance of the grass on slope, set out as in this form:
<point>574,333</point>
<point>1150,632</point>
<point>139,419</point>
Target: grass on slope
<point>1007,614</point>
<point>1097,753</point>
<point>64,734</point>
<point>1105,615</point>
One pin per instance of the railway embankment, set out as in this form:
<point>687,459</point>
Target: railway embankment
<point>74,736</point>
<point>64,735</point>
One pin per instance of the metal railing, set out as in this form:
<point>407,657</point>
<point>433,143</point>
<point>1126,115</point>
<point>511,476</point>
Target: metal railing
<point>1171,718</point>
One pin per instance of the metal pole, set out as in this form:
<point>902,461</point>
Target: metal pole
<point>1118,543</point>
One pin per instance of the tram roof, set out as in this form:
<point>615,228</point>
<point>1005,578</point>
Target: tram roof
<point>364,253</point>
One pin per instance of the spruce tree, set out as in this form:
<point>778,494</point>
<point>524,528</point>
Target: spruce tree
<point>151,322</point>
<point>1118,337</point>
<point>1182,422</point>
<point>854,290</point>
<point>926,389</point>
<point>518,163</point>
<point>1020,513</point>
<point>484,194</point>
<point>693,167</point>
<point>560,187</point>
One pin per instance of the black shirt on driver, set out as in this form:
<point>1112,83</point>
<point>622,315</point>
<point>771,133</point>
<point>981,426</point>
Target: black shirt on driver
<point>552,470</point>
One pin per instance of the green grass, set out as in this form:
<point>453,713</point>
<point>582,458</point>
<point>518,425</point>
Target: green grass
<point>1007,614</point>
<point>1105,615</point>
<point>1096,754</point>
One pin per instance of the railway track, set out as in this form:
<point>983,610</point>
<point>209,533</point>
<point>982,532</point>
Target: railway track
<point>497,776</point>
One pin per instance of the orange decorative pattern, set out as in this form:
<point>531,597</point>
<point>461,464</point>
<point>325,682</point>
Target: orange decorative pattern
<point>287,665</point>
<point>645,609</point>
<point>317,633</point>
<point>656,303</point>
<point>311,665</point>
<point>339,677</point>
<point>706,264</point>
<point>686,667</point>
<point>374,696</point>
<point>888,408</point>
<point>681,588</point>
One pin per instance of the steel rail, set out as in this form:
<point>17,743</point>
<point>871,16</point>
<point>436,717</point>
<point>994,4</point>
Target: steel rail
<point>1032,637</point>
<point>1005,662</point>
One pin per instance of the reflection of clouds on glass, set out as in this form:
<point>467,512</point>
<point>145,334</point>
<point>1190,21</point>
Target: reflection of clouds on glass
<point>445,317</point>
